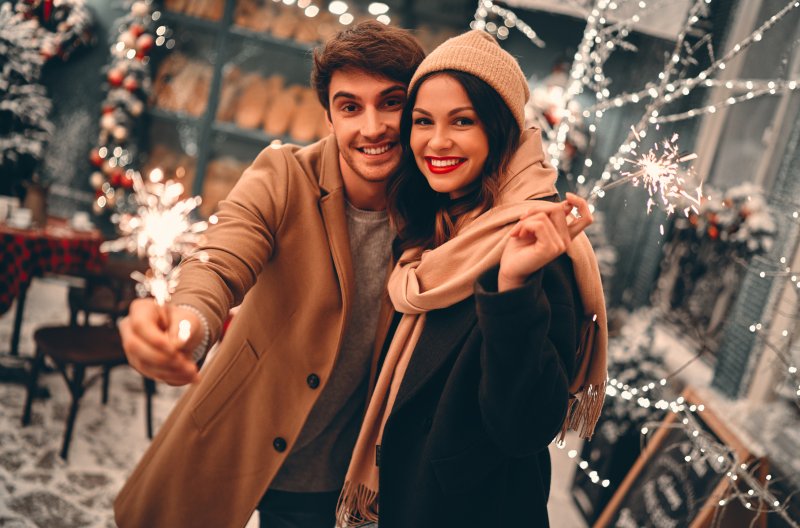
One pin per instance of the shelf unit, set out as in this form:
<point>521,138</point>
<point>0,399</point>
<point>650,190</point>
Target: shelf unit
<point>224,37</point>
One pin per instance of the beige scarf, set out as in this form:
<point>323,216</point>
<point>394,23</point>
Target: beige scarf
<point>445,276</point>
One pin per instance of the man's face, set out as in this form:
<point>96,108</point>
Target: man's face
<point>365,119</point>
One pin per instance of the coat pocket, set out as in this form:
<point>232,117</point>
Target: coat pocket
<point>227,384</point>
<point>468,470</point>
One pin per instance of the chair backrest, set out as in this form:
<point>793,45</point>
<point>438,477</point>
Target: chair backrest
<point>108,292</point>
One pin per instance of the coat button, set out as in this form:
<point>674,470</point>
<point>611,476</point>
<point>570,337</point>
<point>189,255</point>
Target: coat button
<point>313,381</point>
<point>279,444</point>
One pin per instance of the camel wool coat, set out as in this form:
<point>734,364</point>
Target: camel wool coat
<point>281,249</point>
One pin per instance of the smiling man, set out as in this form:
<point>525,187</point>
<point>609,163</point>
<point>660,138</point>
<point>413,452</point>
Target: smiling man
<point>303,243</point>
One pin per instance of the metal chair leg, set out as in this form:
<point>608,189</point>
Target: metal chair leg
<point>106,381</point>
<point>76,388</point>
<point>32,385</point>
<point>149,390</point>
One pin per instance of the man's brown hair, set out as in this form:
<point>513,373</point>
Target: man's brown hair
<point>372,47</point>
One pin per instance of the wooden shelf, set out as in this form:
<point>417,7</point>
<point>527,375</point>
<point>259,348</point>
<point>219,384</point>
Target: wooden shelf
<point>171,18</point>
<point>251,134</point>
<point>175,117</point>
<point>266,38</point>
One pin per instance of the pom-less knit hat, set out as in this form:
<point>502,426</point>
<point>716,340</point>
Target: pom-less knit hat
<point>478,53</point>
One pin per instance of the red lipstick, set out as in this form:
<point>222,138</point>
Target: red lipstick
<point>446,168</point>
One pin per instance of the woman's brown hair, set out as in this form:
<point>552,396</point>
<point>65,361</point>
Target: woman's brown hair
<point>427,219</point>
<point>372,47</point>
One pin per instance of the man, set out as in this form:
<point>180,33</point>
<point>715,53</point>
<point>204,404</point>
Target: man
<point>271,421</point>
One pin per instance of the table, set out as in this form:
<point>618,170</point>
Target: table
<point>29,253</point>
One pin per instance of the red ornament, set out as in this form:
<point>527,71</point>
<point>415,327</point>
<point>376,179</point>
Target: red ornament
<point>116,177</point>
<point>130,83</point>
<point>127,181</point>
<point>115,77</point>
<point>107,109</point>
<point>94,157</point>
<point>144,43</point>
<point>136,29</point>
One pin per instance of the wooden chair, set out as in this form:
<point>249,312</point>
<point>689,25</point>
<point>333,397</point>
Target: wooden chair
<point>74,349</point>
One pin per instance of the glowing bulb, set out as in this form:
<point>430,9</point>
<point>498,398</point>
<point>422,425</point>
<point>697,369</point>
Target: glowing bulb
<point>337,7</point>
<point>378,8</point>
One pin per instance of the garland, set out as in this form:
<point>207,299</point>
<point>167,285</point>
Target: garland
<point>128,79</point>
<point>32,33</point>
<point>63,25</point>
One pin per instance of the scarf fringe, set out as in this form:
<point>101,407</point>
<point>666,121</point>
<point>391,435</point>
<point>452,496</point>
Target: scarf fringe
<point>357,505</point>
<point>584,411</point>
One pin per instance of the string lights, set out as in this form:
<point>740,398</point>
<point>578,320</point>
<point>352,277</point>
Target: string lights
<point>601,37</point>
<point>510,21</point>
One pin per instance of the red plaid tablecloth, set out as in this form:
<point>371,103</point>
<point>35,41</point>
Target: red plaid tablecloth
<point>28,253</point>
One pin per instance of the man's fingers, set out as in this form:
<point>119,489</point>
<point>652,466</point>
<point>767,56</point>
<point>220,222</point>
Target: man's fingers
<point>156,363</point>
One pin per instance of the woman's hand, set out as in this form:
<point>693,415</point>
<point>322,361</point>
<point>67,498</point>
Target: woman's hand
<point>538,238</point>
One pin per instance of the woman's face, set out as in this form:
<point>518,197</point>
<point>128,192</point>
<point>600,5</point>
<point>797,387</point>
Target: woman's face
<point>448,140</point>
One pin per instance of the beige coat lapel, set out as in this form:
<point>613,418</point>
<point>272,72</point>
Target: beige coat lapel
<point>332,206</point>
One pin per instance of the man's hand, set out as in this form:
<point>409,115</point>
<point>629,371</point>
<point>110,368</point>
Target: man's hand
<point>540,237</point>
<point>159,340</point>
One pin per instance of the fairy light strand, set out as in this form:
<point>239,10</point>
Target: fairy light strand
<point>510,21</point>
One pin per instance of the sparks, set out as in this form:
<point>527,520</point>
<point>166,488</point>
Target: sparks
<point>661,172</point>
<point>161,230</point>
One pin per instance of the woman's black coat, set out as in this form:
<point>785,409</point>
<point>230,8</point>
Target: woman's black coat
<point>485,392</point>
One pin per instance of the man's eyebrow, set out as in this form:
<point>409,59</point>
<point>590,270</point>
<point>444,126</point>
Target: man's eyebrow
<point>343,95</point>
<point>348,95</point>
<point>394,88</point>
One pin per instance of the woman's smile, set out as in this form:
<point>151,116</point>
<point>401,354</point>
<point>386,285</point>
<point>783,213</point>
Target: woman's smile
<point>439,165</point>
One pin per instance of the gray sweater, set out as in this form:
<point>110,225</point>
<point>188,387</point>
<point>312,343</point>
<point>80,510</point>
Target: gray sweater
<point>320,457</point>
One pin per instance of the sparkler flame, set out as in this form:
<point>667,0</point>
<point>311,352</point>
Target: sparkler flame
<point>662,173</point>
<point>161,230</point>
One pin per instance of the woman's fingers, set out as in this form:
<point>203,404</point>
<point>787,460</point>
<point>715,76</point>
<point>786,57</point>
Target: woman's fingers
<point>541,230</point>
<point>584,218</point>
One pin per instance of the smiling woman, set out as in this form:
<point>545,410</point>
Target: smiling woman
<point>497,326</point>
<point>448,138</point>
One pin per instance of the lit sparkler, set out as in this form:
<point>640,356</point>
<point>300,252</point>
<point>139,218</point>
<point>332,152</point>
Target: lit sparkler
<point>161,230</point>
<point>661,172</point>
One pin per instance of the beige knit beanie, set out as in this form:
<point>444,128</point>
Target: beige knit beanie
<point>478,53</point>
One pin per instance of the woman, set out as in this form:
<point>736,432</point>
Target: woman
<point>493,337</point>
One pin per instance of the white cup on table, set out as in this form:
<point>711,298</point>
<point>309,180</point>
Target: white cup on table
<point>21,218</point>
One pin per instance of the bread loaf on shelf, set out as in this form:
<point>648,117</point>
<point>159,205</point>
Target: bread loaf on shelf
<point>252,101</point>
<point>304,126</point>
<point>281,111</point>
<point>176,166</point>
<point>273,87</point>
<point>208,9</point>
<point>255,15</point>
<point>162,94</point>
<point>197,87</point>
<point>181,85</point>
<point>229,93</point>
<point>221,175</point>
<point>286,23</point>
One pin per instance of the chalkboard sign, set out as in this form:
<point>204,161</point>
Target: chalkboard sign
<point>663,489</point>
